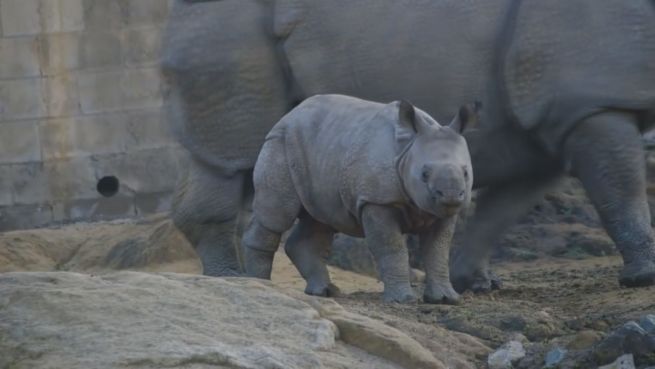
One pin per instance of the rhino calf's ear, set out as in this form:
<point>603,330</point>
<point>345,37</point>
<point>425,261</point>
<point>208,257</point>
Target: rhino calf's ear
<point>467,117</point>
<point>405,128</point>
<point>407,114</point>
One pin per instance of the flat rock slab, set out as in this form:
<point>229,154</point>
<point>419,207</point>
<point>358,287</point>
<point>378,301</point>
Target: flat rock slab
<point>140,320</point>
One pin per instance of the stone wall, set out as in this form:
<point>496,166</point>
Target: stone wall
<point>80,100</point>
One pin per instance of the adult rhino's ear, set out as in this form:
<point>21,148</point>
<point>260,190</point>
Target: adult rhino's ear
<point>406,125</point>
<point>467,117</point>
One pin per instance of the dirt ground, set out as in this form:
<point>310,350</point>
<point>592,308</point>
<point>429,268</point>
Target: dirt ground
<point>548,301</point>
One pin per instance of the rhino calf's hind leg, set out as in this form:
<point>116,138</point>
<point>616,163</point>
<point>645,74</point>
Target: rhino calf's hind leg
<point>308,247</point>
<point>205,208</point>
<point>259,246</point>
<point>605,153</point>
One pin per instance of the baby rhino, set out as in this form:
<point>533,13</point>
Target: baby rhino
<point>341,164</point>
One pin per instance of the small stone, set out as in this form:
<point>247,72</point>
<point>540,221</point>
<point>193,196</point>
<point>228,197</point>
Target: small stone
<point>506,355</point>
<point>634,327</point>
<point>647,322</point>
<point>629,339</point>
<point>623,362</point>
<point>555,356</point>
<point>584,340</point>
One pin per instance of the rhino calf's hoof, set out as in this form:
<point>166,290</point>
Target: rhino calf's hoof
<point>477,282</point>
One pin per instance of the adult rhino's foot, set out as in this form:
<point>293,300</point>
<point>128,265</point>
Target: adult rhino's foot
<point>478,281</point>
<point>440,293</point>
<point>402,294</point>
<point>322,290</point>
<point>639,273</point>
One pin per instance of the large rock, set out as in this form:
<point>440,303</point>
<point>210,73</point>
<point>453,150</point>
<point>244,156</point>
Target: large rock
<point>139,320</point>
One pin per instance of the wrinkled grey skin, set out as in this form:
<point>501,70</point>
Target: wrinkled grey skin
<point>342,164</point>
<point>568,88</point>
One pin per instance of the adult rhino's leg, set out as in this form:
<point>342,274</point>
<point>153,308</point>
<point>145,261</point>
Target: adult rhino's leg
<point>497,209</point>
<point>205,208</point>
<point>605,153</point>
<point>514,174</point>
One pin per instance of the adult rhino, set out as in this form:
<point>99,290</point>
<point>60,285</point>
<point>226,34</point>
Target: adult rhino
<point>568,86</point>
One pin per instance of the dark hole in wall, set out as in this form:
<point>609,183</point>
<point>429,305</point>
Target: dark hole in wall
<point>108,186</point>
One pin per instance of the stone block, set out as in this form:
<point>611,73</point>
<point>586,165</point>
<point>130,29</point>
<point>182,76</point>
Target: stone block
<point>29,184</point>
<point>100,49</point>
<point>20,17</point>
<point>103,14</point>
<point>60,95</point>
<point>6,190</point>
<point>119,90</point>
<point>57,138</point>
<point>142,88</point>
<point>101,134</point>
<point>29,17</point>
<point>143,171</point>
<point>152,203</point>
<point>19,142</point>
<point>100,92</point>
<point>144,12</point>
<point>24,216</point>
<point>20,57</point>
<point>61,15</point>
<point>71,179</point>
<point>21,99</point>
<point>148,129</point>
<point>101,208</point>
<point>141,46</point>
<point>60,53</point>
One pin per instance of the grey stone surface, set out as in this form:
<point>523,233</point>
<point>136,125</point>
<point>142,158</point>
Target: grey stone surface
<point>60,52</point>
<point>19,142</point>
<point>118,90</point>
<point>506,355</point>
<point>27,17</point>
<point>141,46</point>
<point>647,322</point>
<point>80,98</point>
<point>24,216</point>
<point>623,362</point>
<point>554,357</point>
<point>21,99</point>
<point>100,49</point>
<point>20,57</point>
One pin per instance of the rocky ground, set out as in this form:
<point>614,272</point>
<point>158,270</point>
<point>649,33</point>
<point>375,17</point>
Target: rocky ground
<point>76,296</point>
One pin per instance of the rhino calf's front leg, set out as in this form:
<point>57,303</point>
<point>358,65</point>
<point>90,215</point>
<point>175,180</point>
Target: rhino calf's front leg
<point>435,249</point>
<point>387,244</point>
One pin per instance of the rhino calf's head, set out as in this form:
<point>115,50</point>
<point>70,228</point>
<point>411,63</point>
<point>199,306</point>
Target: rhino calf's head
<point>434,162</point>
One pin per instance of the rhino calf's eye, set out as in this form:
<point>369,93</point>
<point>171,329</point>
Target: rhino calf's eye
<point>425,175</point>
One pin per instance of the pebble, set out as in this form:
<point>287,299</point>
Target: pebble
<point>584,340</point>
<point>623,362</point>
<point>647,322</point>
<point>506,355</point>
<point>555,356</point>
<point>628,339</point>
